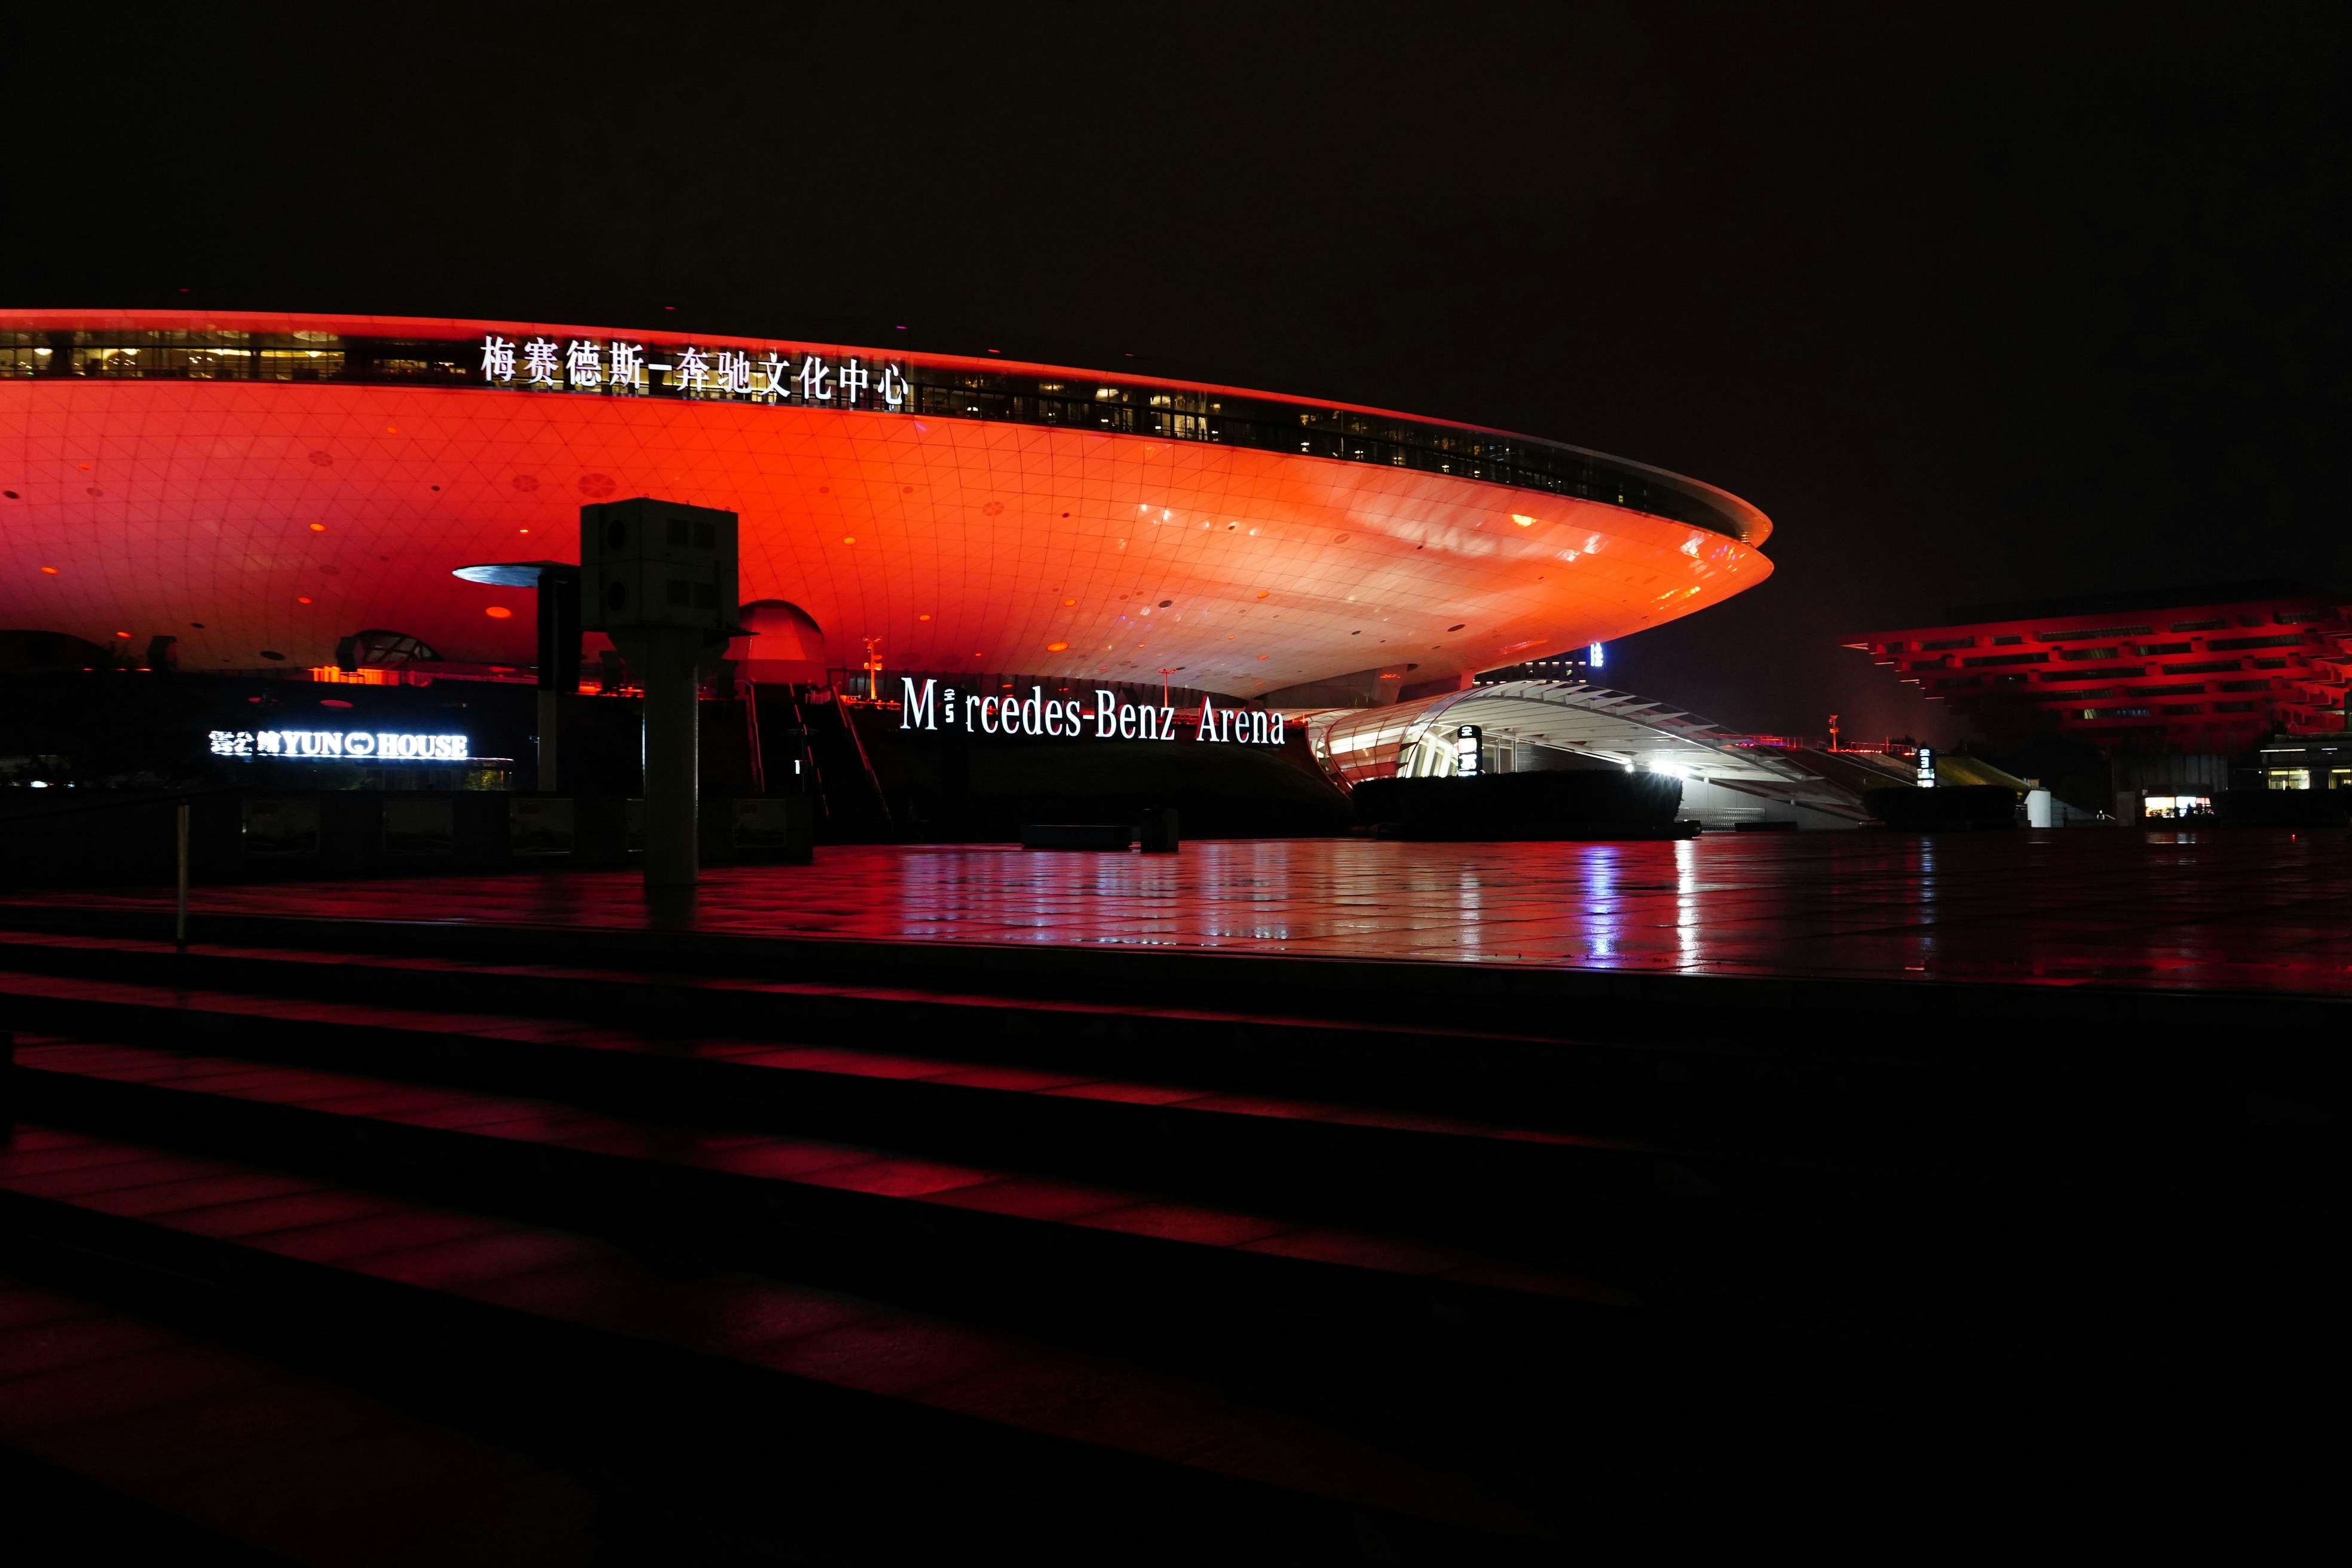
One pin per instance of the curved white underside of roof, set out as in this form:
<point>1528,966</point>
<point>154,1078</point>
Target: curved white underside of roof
<point>1593,722</point>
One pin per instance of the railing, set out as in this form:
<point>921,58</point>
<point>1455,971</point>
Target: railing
<point>182,801</point>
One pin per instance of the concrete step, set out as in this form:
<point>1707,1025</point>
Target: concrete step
<point>2058,1066</point>
<point>1349,1162</point>
<point>841,1401</point>
<point>124,1436</point>
<point>1488,1183</point>
<point>1686,1104</point>
<point>1146,1268</point>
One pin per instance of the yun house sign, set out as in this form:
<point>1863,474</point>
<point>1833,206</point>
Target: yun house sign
<point>368,746</point>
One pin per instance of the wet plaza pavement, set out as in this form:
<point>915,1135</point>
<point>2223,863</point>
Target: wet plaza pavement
<point>2212,908</point>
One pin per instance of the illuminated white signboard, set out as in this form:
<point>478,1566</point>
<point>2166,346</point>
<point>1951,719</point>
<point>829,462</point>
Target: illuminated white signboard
<point>1109,719</point>
<point>370,745</point>
<point>583,364</point>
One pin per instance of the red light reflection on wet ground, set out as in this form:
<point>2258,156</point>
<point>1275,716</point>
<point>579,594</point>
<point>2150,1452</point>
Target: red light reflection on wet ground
<point>2210,910</point>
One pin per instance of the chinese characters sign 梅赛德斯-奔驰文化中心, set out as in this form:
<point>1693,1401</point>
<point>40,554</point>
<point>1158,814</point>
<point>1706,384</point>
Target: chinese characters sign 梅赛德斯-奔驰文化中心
<point>618,367</point>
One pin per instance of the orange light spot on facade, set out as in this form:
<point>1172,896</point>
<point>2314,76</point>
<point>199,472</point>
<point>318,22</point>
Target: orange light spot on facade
<point>849,539</point>
<point>50,570</point>
<point>1068,604</point>
<point>1523,520</point>
<point>122,634</point>
<point>522,531</point>
<point>498,611</point>
<point>392,429</point>
<point>1261,656</point>
<point>922,617</point>
<point>299,600</point>
<point>317,528</point>
<point>1056,646</point>
<point>84,468</point>
<point>1263,596</point>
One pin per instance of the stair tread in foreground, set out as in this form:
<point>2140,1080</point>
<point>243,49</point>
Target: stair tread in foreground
<point>1449,1176</point>
<point>804,1162</point>
<point>251,1451</point>
<point>817,1336</point>
<point>852,1061</point>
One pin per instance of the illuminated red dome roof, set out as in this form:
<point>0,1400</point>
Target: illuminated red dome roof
<point>265,482</point>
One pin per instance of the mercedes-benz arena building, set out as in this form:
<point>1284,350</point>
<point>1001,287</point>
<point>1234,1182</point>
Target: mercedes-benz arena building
<point>261,487</point>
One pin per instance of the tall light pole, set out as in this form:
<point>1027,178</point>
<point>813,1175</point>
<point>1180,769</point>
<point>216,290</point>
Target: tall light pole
<point>558,588</point>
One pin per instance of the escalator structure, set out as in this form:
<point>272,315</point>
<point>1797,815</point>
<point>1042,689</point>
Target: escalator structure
<point>815,742</point>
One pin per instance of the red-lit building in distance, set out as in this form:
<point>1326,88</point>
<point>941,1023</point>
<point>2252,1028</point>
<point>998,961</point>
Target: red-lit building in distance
<point>243,492</point>
<point>2203,670</point>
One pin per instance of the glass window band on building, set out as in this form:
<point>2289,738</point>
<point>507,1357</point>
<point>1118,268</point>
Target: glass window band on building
<point>585,367</point>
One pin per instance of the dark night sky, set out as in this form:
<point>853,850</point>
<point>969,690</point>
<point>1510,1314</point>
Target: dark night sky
<point>2028,301</point>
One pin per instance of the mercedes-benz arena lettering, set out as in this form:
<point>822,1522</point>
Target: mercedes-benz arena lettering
<point>264,488</point>
<point>926,706</point>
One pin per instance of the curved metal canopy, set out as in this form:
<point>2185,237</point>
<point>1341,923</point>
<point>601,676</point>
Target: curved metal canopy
<point>514,574</point>
<point>1594,722</point>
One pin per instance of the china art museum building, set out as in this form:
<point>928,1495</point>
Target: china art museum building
<point>999,548</point>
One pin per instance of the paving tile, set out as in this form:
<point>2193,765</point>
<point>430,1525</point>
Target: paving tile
<point>892,1355</point>
<point>193,1434</point>
<point>533,1517</point>
<point>79,1154</point>
<point>896,1178</point>
<point>781,1159</point>
<point>282,1212</point>
<point>144,1170</point>
<point>1358,1249</point>
<point>1130,1093</point>
<point>72,1342</point>
<point>375,1469</point>
<point>31,1139</point>
<point>1186,1221</point>
<point>859,1063</point>
<point>381,1100</point>
<point>750,1319</point>
<point>1165,1418</point>
<point>141,1380</point>
<point>1034,1197</point>
<point>460,1262</point>
<point>196,1191</point>
<point>527,1123</point>
<point>575,1290</point>
<point>342,1240</point>
<point>465,1115</point>
<point>1015,1078</point>
<point>23,1305</point>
